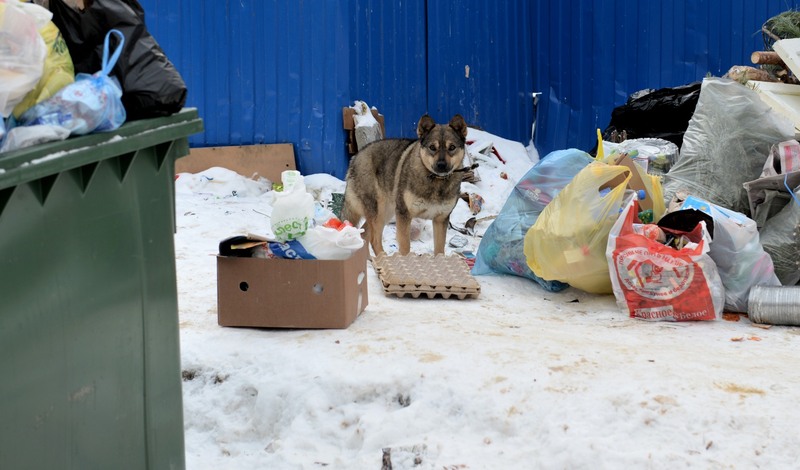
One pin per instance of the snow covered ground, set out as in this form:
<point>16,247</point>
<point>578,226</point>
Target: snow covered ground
<point>518,378</point>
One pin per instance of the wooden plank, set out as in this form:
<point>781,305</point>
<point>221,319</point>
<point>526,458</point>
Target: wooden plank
<point>268,161</point>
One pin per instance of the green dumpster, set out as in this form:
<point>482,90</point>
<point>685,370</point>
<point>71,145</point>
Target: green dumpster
<point>89,351</point>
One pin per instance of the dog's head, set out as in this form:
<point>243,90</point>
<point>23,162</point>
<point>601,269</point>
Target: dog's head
<point>442,146</point>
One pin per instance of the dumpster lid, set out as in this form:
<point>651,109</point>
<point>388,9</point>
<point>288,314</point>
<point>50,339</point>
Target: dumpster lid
<point>32,163</point>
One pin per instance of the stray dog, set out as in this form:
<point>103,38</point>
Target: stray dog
<point>407,179</point>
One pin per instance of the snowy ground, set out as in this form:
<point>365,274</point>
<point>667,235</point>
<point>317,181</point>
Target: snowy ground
<point>518,378</point>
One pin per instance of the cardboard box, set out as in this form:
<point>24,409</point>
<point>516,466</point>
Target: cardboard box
<point>636,183</point>
<point>287,293</point>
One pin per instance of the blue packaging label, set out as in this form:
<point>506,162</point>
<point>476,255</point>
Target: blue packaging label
<point>291,249</point>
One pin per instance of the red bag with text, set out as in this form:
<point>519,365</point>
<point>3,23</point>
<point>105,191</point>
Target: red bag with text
<point>653,281</point>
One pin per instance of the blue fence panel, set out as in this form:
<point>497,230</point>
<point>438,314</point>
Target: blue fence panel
<point>589,56</point>
<point>388,61</point>
<point>479,64</point>
<point>262,71</point>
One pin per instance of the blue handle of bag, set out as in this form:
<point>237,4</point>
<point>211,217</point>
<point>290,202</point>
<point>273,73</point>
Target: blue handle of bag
<point>109,64</point>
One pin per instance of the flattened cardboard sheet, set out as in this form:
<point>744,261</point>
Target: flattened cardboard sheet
<point>267,161</point>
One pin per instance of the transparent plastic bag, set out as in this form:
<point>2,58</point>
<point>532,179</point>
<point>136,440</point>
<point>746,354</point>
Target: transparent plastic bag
<point>22,51</point>
<point>58,71</point>
<point>726,144</point>
<point>741,260</point>
<point>502,247</point>
<point>91,104</point>
<point>780,237</point>
<point>568,241</point>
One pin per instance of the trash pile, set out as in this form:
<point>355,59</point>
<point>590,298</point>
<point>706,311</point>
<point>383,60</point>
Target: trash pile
<point>301,227</point>
<point>70,69</point>
<point>689,207</point>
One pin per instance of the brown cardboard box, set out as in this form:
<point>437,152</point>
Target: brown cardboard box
<point>287,293</point>
<point>636,183</point>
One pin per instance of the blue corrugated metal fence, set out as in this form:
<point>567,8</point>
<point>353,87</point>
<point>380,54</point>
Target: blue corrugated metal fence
<point>264,71</point>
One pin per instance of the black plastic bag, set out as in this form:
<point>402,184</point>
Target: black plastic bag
<point>663,113</point>
<point>151,85</point>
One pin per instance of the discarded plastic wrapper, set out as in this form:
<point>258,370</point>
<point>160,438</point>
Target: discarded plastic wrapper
<point>655,156</point>
<point>475,203</point>
<point>783,158</point>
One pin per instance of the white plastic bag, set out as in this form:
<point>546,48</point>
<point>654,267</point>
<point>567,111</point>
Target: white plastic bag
<point>27,136</point>
<point>330,243</point>
<point>293,209</point>
<point>22,51</point>
<point>737,252</point>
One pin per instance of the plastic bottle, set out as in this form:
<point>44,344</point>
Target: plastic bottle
<point>645,216</point>
<point>293,209</point>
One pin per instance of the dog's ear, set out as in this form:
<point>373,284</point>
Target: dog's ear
<point>459,125</point>
<point>426,124</point>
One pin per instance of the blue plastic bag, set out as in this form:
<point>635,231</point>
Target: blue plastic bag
<point>502,247</point>
<point>91,104</point>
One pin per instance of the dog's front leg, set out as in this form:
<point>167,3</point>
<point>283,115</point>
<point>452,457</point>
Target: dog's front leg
<point>440,233</point>
<point>403,222</point>
<point>374,233</point>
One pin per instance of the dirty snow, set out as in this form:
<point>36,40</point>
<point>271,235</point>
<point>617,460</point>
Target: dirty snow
<point>518,378</point>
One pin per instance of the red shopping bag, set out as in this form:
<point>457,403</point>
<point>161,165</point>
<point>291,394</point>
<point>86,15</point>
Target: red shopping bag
<point>653,281</point>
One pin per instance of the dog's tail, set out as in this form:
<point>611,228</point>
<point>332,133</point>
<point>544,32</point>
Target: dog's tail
<point>351,214</point>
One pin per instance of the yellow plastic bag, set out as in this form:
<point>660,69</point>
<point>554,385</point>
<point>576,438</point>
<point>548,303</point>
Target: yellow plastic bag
<point>568,241</point>
<point>58,70</point>
<point>650,183</point>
